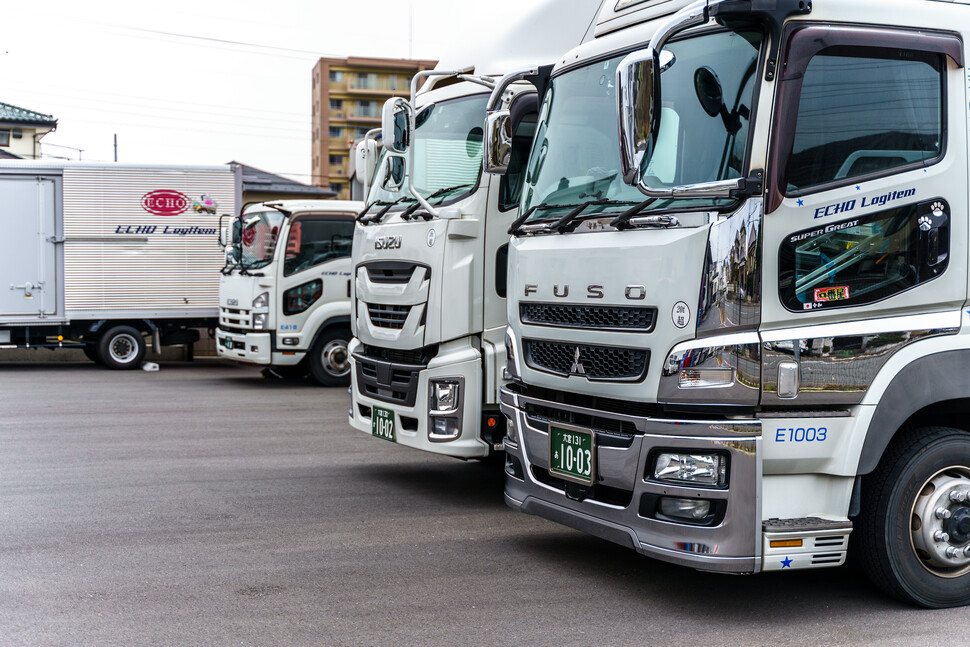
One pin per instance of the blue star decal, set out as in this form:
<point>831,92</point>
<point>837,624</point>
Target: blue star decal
<point>858,188</point>
<point>801,203</point>
<point>786,563</point>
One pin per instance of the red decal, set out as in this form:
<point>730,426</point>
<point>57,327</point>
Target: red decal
<point>840,293</point>
<point>165,202</point>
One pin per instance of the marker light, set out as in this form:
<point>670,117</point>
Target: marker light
<point>785,543</point>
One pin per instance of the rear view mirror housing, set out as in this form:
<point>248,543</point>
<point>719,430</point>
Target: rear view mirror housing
<point>396,125</point>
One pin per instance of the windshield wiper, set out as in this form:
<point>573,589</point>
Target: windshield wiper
<point>562,224</point>
<point>377,217</point>
<point>409,212</point>
<point>517,223</point>
<point>622,220</point>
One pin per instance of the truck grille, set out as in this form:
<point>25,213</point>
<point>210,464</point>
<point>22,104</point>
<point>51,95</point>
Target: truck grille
<point>383,315</point>
<point>630,318</point>
<point>393,271</point>
<point>603,363</point>
<point>235,319</point>
<point>387,381</point>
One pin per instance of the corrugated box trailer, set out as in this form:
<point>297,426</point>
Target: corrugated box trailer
<point>100,256</point>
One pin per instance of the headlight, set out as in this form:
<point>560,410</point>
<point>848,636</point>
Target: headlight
<point>708,470</point>
<point>445,396</point>
<point>298,299</point>
<point>260,320</point>
<point>262,301</point>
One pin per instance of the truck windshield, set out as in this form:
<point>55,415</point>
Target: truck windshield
<point>448,140</point>
<point>258,233</point>
<point>575,155</point>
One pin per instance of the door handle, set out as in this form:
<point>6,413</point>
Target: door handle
<point>28,288</point>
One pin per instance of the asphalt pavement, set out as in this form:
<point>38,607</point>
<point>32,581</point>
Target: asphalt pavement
<point>205,505</point>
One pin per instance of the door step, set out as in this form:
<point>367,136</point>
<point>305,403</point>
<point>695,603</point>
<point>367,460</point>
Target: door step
<point>808,542</point>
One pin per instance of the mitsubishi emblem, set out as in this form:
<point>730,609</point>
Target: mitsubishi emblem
<point>577,367</point>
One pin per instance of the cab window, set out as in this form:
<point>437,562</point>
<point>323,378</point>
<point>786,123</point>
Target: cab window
<point>315,240</point>
<point>865,113</point>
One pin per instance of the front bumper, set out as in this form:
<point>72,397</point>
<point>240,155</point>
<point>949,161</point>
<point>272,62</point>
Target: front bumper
<point>253,348</point>
<point>411,416</point>
<point>621,505</point>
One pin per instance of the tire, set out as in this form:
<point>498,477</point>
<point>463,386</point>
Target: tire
<point>90,351</point>
<point>899,550</point>
<point>121,347</point>
<point>330,359</point>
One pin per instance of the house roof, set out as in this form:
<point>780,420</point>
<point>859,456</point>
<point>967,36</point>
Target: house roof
<point>15,114</point>
<point>254,179</point>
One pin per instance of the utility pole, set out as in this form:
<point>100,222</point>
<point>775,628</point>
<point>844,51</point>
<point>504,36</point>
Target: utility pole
<point>116,147</point>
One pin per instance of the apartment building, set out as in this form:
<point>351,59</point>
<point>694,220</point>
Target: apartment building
<point>348,94</point>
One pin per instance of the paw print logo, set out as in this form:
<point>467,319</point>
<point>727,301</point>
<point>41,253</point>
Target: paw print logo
<point>925,223</point>
<point>937,209</point>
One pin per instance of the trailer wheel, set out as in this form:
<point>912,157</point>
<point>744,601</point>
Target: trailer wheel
<point>915,519</point>
<point>121,347</point>
<point>330,359</point>
<point>90,351</point>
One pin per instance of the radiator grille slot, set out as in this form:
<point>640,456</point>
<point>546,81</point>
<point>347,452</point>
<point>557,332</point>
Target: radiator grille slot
<point>622,318</point>
<point>605,363</point>
<point>383,315</point>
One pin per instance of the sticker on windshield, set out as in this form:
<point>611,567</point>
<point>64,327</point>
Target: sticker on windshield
<point>840,293</point>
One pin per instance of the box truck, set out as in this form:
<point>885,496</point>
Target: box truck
<point>284,293</point>
<point>103,256</point>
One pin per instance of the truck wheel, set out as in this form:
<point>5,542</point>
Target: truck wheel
<point>915,519</point>
<point>330,359</point>
<point>90,351</point>
<point>121,347</point>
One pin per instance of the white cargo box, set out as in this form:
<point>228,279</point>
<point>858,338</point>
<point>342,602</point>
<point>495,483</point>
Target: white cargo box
<point>92,241</point>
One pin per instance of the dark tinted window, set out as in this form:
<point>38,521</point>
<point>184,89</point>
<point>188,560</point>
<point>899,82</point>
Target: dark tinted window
<point>315,241</point>
<point>510,188</point>
<point>502,270</point>
<point>864,259</point>
<point>864,115</point>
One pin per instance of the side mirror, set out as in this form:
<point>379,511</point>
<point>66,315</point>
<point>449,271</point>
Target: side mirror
<point>223,231</point>
<point>392,173</point>
<point>365,162</point>
<point>396,125</point>
<point>498,141</point>
<point>638,110</point>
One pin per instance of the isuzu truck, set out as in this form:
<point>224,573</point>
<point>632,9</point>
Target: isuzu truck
<point>739,332</point>
<point>104,256</point>
<point>430,250</point>
<point>284,293</point>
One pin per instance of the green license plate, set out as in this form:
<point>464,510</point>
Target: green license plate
<point>382,423</point>
<point>572,453</point>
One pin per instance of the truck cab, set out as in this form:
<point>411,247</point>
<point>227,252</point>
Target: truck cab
<point>737,307</point>
<point>284,294</point>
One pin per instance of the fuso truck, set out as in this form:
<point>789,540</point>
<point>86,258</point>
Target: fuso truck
<point>284,294</point>
<point>103,256</point>
<point>739,333</point>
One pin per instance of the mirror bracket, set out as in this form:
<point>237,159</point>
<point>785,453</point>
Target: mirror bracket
<point>770,14</point>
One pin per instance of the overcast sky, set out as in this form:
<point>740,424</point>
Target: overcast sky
<point>207,81</point>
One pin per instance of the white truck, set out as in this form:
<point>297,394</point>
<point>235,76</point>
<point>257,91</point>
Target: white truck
<point>430,251</point>
<point>739,331</point>
<point>284,294</point>
<point>98,256</point>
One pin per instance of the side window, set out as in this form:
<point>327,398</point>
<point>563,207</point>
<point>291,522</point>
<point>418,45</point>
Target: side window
<point>313,241</point>
<point>866,259</point>
<point>510,187</point>
<point>502,270</point>
<point>865,113</point>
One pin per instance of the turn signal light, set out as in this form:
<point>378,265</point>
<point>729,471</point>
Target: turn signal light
<point>785,543</point>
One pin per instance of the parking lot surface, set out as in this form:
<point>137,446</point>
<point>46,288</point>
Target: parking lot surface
<point>205,505</point>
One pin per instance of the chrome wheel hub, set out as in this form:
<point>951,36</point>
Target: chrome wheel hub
<point>336,358</point>
<point>940,523</point>
<point>123,348</point>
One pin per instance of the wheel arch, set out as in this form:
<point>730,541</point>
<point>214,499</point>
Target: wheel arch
<point>332,322</point>
<point>918,397</point>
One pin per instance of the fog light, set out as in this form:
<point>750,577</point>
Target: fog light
<point>697,469</point>
<point>706,378</point>
<point>691,509</point>
<point>443,428</point>
<point>445,395</point>
<point>290,341</point>
<point>259,321</point>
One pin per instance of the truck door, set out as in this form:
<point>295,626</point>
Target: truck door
<point>866,198</point>
<point>28,283</point>
<point>316,267</point>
